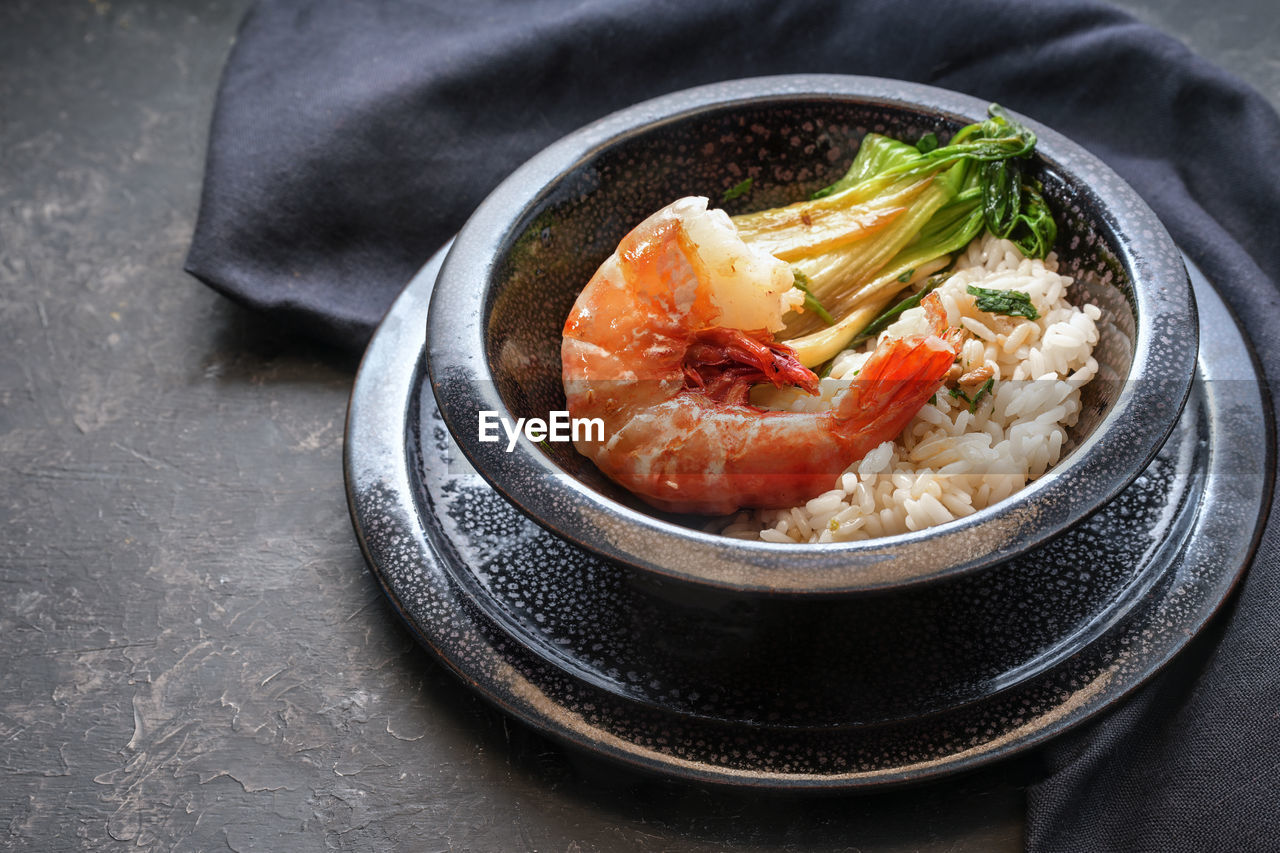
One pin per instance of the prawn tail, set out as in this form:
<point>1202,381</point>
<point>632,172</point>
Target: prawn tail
<point>897,380</point>
<point>725,363</point>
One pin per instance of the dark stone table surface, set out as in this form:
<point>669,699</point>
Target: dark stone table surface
<point>195,656</point>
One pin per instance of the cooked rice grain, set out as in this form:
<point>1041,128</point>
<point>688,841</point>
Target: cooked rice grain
<point>950,462</point>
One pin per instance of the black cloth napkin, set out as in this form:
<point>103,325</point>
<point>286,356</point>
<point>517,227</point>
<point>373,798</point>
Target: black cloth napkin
<point>353,137</point>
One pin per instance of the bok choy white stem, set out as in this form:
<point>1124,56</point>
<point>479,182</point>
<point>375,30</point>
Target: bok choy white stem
<point>894,219</point>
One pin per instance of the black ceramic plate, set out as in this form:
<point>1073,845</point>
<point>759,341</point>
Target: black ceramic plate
<point>835,693</point>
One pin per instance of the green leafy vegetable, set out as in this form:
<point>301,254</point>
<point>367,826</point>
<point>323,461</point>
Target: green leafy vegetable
<point>897,215</point>
<point>1001,195</point>
<point>880,323</point>
<point>1034,230</point>
<point>737,190</point>
<point>982,392</point>
<point>811,302</point>
<point>998,139</point>
<point>1013,303</point>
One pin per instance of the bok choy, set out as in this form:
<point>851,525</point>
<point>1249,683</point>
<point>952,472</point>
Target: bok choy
<point>894,219</point>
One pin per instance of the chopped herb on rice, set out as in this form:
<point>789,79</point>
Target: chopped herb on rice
<point>963,451</point>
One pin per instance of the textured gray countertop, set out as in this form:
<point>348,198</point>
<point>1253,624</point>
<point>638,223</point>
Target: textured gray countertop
<point>195,655</point>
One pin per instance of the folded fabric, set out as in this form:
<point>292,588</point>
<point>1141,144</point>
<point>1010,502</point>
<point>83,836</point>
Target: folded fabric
<point>353,137</point>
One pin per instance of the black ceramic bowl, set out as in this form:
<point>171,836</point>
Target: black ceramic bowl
<point>508,283</point>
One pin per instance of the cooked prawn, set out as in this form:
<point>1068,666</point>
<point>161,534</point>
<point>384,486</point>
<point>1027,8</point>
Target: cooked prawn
<point>664,343</point>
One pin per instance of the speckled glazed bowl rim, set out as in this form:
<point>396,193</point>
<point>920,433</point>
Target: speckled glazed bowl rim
<point>1106,461</point>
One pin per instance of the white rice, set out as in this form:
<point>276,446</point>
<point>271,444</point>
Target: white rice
<point>950,461</point>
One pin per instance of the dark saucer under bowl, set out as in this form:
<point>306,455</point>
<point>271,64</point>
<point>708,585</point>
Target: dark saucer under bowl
<point>494,327</point>
<point>796,692</point>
